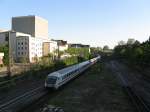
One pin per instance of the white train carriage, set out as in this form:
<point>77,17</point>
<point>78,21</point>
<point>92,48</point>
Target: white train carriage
<point>94,60</point>
<point>60,77</point>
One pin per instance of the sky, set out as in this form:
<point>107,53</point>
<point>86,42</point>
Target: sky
<point>94,22</point>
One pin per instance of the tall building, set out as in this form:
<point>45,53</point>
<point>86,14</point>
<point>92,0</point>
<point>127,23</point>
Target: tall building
<point>28,38</point>
<point>32,25</point>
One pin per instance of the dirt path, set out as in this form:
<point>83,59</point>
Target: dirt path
<point>97,90</point>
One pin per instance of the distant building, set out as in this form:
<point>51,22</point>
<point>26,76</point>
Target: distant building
<point>49,47</point>
<point>62,45</point>
<point>1,58</point>
<point>79,46</point>
<point>32,25</point>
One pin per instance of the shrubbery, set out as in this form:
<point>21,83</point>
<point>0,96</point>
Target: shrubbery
<point>135,53</point>
<point>81,52</point>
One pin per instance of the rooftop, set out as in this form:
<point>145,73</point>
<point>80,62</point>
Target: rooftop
<point>30,16</point>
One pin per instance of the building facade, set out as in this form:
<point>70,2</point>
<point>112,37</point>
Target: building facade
<point>32,25</point>
<point>25,47</point>
<point>62,45</point>
<point>50,47</point>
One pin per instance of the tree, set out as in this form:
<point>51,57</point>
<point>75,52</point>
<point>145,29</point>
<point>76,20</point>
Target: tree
<point>136,43</point>
<point>121,42</point>
<point>23,60</point>
<point>134,52</point>
<point>82,52</point>
<point>130,41</point>
<point>105,48</point>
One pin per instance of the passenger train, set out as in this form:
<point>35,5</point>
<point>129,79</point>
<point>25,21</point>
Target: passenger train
<point>60,77</point>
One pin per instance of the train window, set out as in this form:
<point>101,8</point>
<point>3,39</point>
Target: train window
<point>51,79</point>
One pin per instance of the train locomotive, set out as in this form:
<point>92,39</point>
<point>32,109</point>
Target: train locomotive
<point>60,77</point>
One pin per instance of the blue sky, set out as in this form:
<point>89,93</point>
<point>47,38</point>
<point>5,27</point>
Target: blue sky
<point>94,22</point>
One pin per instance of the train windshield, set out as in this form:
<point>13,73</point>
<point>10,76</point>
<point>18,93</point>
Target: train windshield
<point>51,80</point>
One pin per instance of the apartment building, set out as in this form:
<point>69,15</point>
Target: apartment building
<point>29,48</point>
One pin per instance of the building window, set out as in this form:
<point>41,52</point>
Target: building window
<point>22,43</point>
<point>22,48</point>
<point>18,47</point>
<point>22,53</point>
<point>18,43</point>
<point>25,48</point>
<point>18,53</point>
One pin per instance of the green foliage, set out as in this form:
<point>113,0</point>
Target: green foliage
<point>81,52</point>
<point>95,51</point>
<point>59,65</point>
<point>23,60</point>
<point>71,60</point>
<point>105,48</point>
<point>136,53</point>
<point>5,49</point>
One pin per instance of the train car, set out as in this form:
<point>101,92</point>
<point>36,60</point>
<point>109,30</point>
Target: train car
<point>60,77</point>
<point>94,60</point>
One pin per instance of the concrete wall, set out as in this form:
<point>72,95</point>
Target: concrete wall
<point>33,25</point>
<point>24,24</point>
<point>41,27</point>
<point>49,47</point>
<point>63,47</point>
<point>3,39</point>
<point>46,48</point>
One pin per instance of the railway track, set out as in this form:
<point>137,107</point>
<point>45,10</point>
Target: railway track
<point>20,102</point>
<point>137,100</point>
<point>140,104</point>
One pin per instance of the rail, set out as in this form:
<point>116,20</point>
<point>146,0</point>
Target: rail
<point>17,102</point>
<point>140,104</point>
<point>137,100</point>
<point>9,82</point>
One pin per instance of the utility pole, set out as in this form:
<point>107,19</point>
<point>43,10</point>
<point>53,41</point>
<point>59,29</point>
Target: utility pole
<point>58,43</point>
<point>9,55</point>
